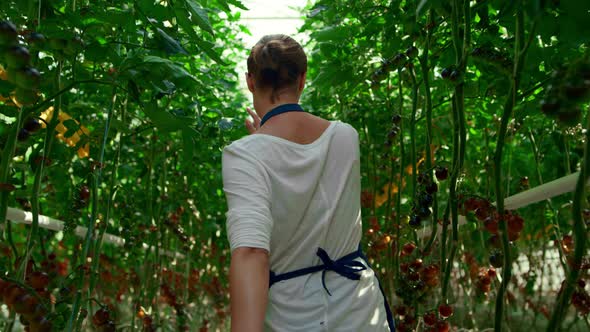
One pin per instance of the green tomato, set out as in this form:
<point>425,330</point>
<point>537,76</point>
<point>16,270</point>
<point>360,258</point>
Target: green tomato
<point>26,97</point>
<point>28,78</point>
<point>74,46</point>
<point>57,44</point>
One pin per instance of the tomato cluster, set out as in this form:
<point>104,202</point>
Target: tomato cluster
<point>425,198</point>
<point>397,61</point>
<point>494,57</point>
<point>451,73</point>
<point>396,119</point>
<point>568,88</point>
<point>173,223</point>
<point>29,301</point>
<point>169,297</point>
<point>82,197</point>
<point>416,281</point>
<point>482,277</point>
<point>18,69</point>
<point>147,320</point>
<point>367,199</point>
<point>580,298</point>
<point>103,321</point>
<point>486,213</point>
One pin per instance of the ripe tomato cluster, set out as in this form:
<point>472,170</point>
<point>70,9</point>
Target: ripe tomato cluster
<point>482,277</point>
<point>580,298</point>
<point>173,223</point>
<point>82,197</point>
<point>147,320</point>
<point>440,323</point>
<point>168,296</point>
<point>367,199</point>
<point>486,213</point>
<point>416,281</point>
<point>103,321</point>
<point>29,302</point>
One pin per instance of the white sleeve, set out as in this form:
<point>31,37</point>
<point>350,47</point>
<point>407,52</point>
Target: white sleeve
<point>248,219</point>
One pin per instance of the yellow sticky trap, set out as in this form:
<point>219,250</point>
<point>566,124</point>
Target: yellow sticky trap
<point>388,187</point>
<point>83,152</point>
<point>3,74</point>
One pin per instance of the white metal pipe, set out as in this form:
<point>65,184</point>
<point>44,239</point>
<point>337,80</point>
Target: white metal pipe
<point>545,191</point>
<point>23,217</point>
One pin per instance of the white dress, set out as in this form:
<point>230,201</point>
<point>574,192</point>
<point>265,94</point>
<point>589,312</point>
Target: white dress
<point>290,199</point>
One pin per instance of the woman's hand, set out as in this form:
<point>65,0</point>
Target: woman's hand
<point>252,126</point>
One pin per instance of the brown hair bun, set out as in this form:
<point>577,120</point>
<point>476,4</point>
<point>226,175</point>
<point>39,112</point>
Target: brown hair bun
<point>276,62</point>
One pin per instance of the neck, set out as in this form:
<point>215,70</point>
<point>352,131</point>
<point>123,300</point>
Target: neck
<point>264,105</point>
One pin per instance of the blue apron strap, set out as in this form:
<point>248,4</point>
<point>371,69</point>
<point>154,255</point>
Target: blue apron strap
<point>280,110</point>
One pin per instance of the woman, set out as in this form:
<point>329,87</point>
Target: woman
<point>293,193</point>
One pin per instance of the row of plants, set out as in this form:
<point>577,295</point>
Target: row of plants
<point>113,117</point>
<point>460,104</point>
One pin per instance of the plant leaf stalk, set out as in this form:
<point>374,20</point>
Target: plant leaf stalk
<point>398,203</point>
<point>5,165</point>
<point>428,98</point>
<point>519,55</point>
<point>47,142</point>
<point>459,136</point>
<point>413,131</point>
<point>95,178</point>
<point>111,191</point>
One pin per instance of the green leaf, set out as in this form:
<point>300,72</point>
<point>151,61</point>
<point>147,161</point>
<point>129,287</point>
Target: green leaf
<point>164,120</point>
<point>333,33</point>
<point>424,5</point>
<point>238,4</point>
<point>169,44</point>
<point>186,25</point>
<point>199,16</point>
<point>207,47</point>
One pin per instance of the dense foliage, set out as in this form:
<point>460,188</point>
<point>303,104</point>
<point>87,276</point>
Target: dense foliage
<point>143,95</point>
<point>459,104</point>
<point>494,96</point>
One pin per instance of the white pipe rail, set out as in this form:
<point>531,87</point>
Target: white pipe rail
<point>545,191</point>
<point>24,217</point>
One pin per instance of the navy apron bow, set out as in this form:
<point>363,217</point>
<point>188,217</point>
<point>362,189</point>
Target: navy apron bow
<point>345,266</point>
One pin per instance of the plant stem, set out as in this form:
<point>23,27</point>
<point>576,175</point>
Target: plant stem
<point>413,133</point>
<point>398,203</point>
<point>112,191</point>
<point>5,166</point>
<point>428,96</point>
<point>519,55</point>
<point>563,301</point>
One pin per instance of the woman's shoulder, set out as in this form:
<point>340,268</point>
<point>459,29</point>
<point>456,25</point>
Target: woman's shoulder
<point>256,143</point>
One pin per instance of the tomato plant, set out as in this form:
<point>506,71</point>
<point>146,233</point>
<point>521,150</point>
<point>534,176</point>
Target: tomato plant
<point>486,99</point>
<point>113,119</point>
